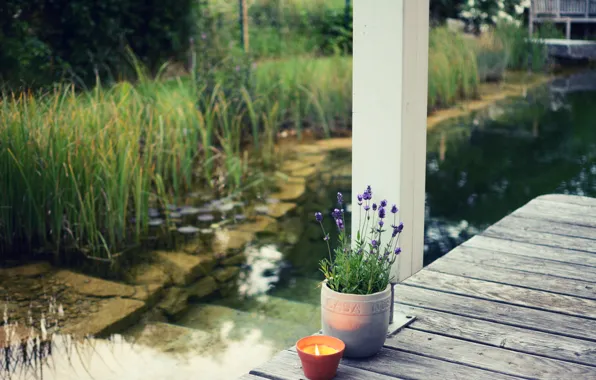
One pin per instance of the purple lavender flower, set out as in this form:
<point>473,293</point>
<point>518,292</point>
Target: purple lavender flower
<point>319,217</point>
<point>374,207</point>
<point>336,214</point>
<point>394,233</point>
<point>326,238</point>
<point>394,209</point>
<point>374,243</point>
<point>359,197</point>
<point>381,223</point>
<point>384,203</point>
<point>367,193</point>
<point>340,223</point>
<point>340,198</point>
<point>397,251</point>
<point>381,212</point>
<point>366,207</point>
<point>400,228</point>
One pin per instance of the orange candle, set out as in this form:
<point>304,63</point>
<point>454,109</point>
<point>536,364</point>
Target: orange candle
<point>320,356</point>
<point>319,349</point>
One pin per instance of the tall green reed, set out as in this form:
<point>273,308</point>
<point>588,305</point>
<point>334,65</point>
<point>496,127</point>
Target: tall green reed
<point>453,70</point>
<point>79,171</point>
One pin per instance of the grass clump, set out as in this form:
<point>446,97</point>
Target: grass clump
<point>453,69</point>
<point>80,170</point>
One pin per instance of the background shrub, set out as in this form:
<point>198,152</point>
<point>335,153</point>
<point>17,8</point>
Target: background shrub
<point>46,40</point>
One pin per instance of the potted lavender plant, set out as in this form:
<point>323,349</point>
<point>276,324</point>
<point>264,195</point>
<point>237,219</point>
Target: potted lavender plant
<point>356,293</point>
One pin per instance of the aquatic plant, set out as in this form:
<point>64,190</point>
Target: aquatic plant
<point>362,267</point>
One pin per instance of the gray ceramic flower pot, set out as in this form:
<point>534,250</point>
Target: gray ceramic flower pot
<point>360,321</point>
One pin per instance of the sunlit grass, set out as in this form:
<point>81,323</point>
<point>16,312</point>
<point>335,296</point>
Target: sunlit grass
<point>79,171</point>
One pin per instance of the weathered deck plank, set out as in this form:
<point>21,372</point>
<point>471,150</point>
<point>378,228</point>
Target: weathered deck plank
<point>527,264</point>
<point>503,336</point>
<point>541,239</point>
<point>517,301</point>
<point>530,250</point>
<point>509,294</point>
<point>532,222</point>
<point>513,315</point>
<point>574,200</point>
<point>483,356</point>
<point>484,270</point>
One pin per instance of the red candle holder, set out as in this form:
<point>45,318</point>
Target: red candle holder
<point>320,356</point>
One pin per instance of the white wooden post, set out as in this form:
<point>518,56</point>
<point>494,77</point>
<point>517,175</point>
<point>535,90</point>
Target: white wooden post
<point>390,76</point>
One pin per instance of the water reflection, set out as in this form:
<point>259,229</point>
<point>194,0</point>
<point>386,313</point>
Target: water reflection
<point>157,354</point>
<point>484,166</point>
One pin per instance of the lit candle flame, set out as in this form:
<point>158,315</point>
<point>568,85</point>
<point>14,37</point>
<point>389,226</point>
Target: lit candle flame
<point>317,350</point>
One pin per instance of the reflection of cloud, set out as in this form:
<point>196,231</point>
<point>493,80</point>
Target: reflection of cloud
<point>118,358</point>
<point>264,267</point>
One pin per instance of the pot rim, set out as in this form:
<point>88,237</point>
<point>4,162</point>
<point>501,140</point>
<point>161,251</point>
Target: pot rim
<point>388,288</point>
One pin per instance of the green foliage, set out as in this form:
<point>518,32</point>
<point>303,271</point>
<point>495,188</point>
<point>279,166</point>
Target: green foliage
<point>443,9</point>
<point>80,171</point>
<point>46,40</point>
<point>452,71</point>
<point>281,28</point>
<point>522,53</point>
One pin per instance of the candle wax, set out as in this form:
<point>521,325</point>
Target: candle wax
<point>319,350</point>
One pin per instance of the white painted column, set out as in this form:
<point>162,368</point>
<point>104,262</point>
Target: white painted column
<point>390,76</point>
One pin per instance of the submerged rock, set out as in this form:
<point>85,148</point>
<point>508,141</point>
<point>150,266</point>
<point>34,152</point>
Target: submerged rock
<point>278,210</point>
<point>202,288</point>
<point>226,274</point>
<point>261,224</point>
<point>290,189</point>
<point>231,239</point>
<point>174,302</point>
<point>153,213</point>
<point>113,315</point>
<point>239,217</point>
<point>185,268</point>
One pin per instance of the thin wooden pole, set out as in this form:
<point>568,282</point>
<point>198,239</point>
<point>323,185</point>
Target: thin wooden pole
<point>243,20</point>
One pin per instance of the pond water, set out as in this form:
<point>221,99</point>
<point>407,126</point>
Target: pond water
<point>479,168</point>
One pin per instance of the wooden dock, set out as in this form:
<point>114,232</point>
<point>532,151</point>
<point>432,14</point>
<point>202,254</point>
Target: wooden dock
<point>517,301</point>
